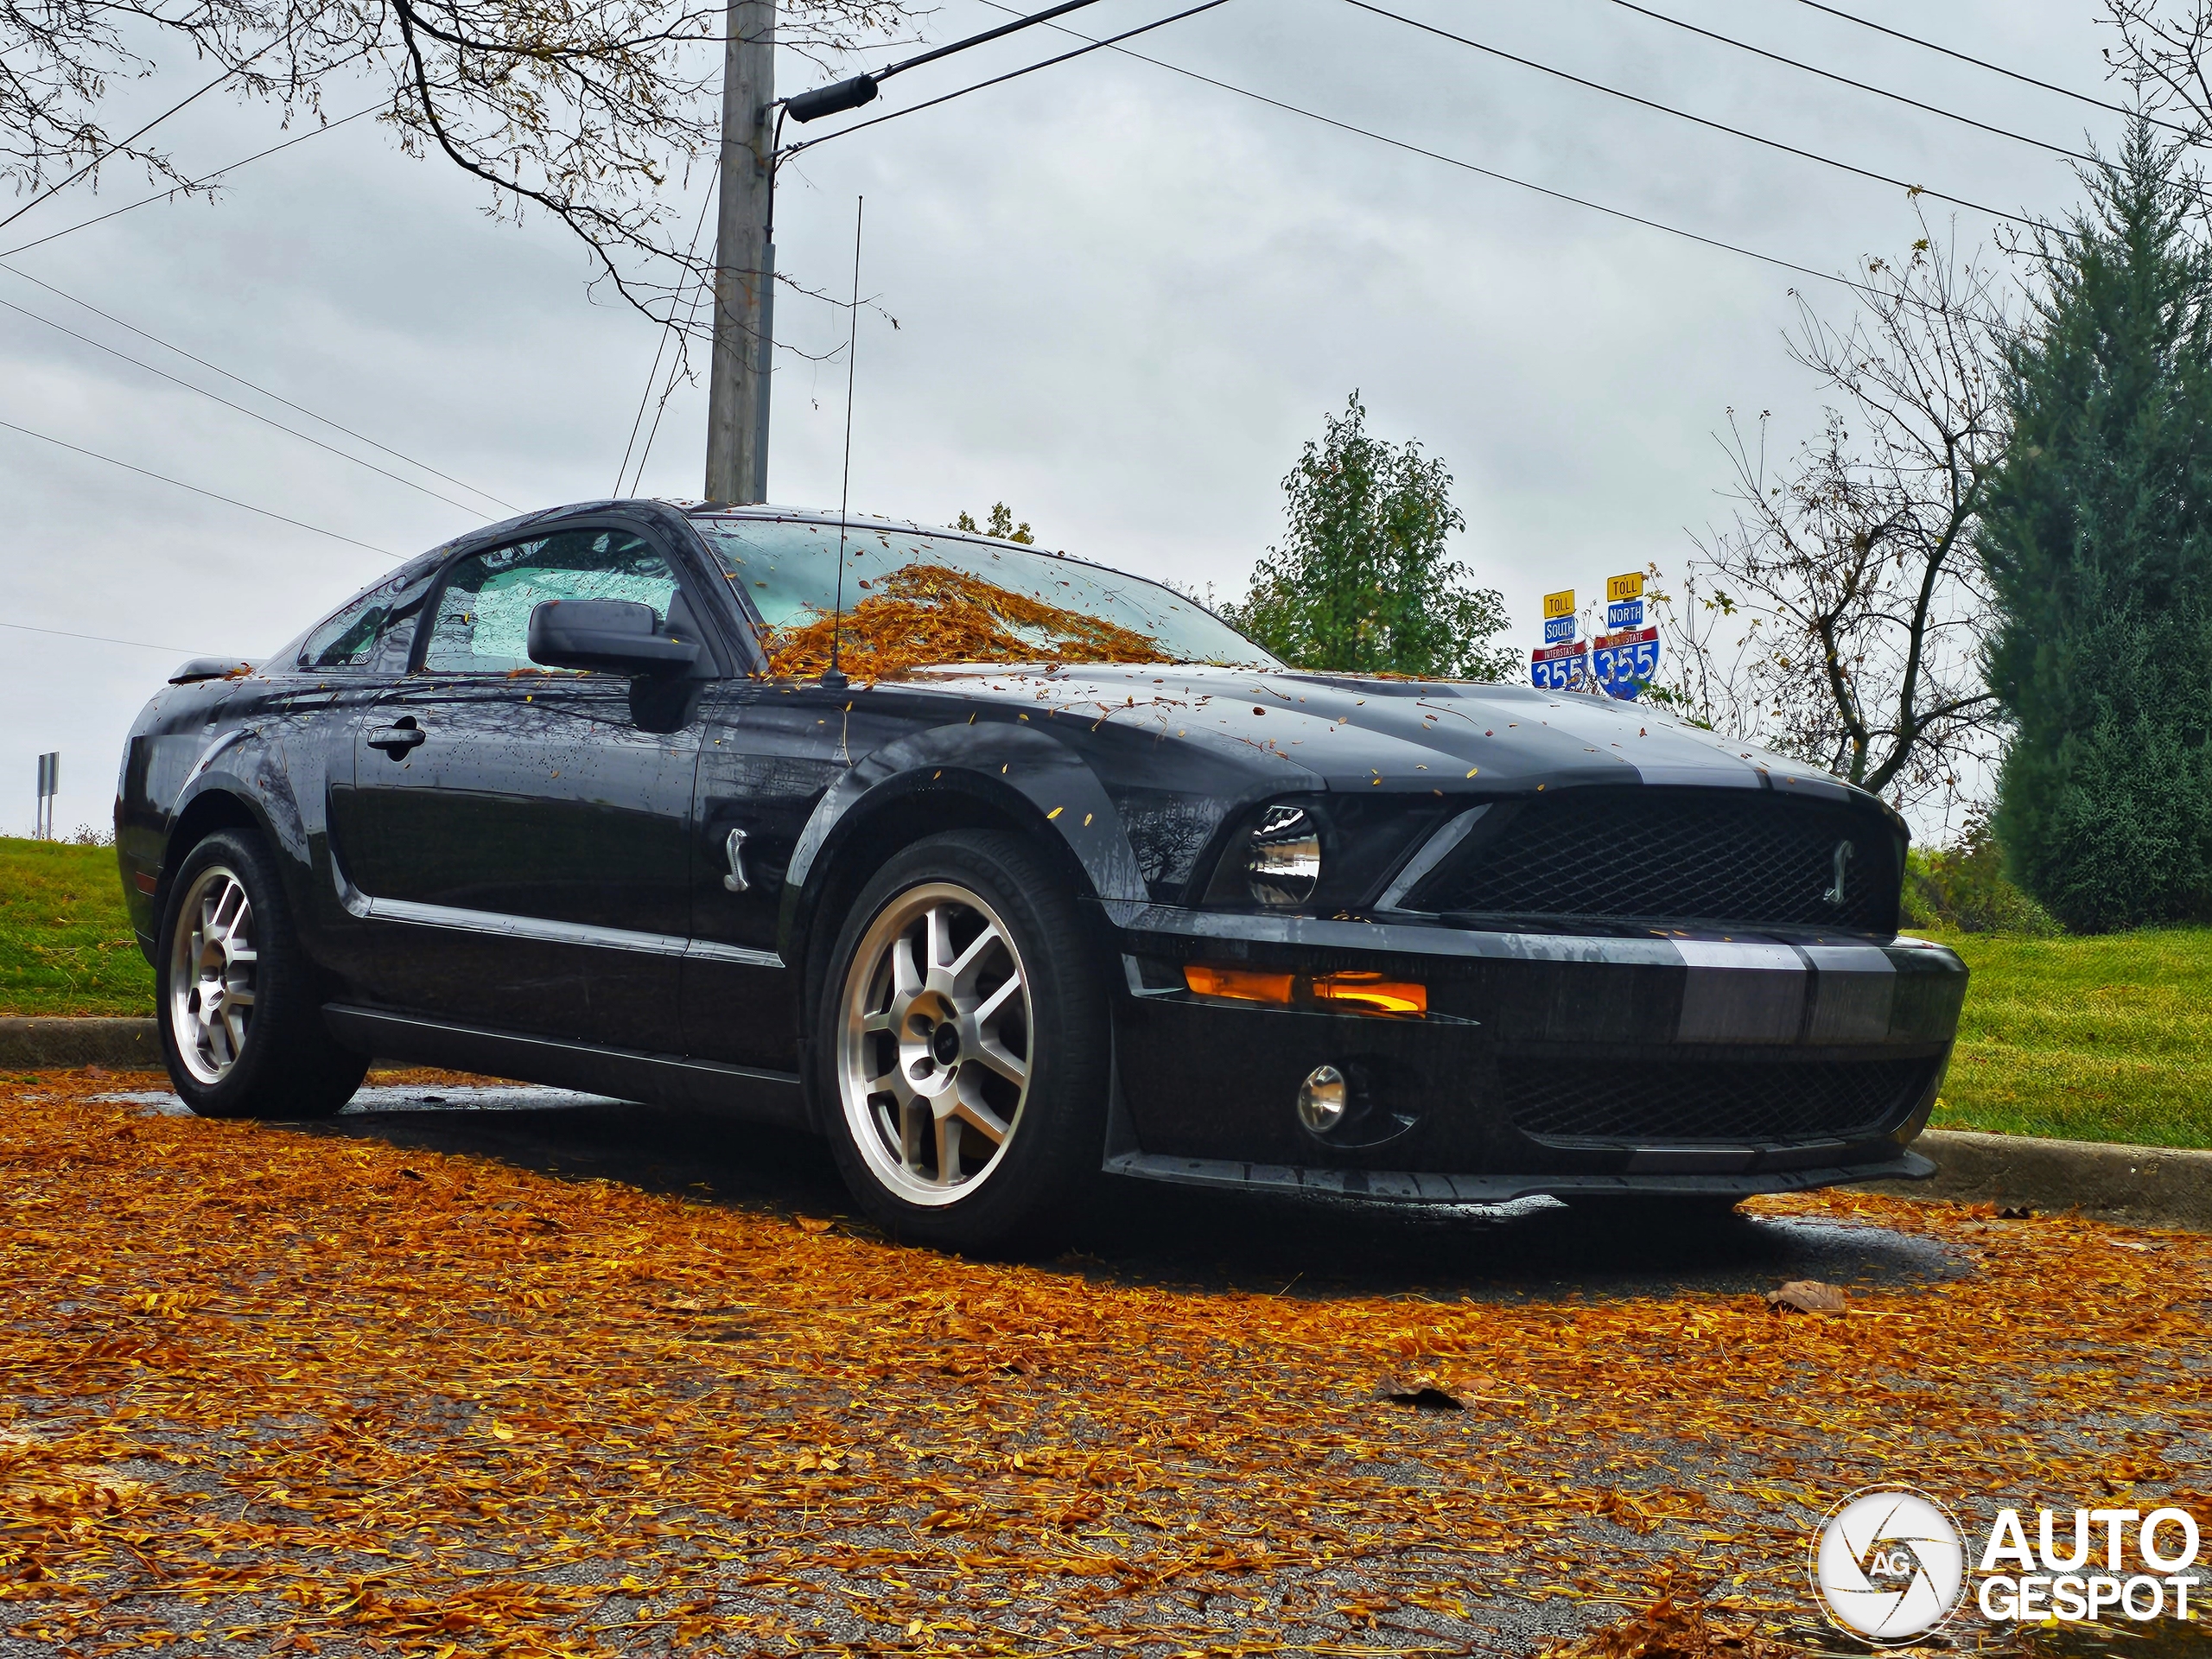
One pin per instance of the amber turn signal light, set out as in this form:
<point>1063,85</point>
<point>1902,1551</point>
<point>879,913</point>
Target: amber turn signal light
<point>1239,984</point>
<point>1353,991</point>
<point>1370,993</point>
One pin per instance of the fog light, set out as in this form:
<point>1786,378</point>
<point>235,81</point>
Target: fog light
<point>1322,1099</point>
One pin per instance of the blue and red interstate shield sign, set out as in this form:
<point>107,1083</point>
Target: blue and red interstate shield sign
<point>1624,662</point>
<point>1564,667</point>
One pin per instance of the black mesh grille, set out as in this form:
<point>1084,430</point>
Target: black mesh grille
<point>1651,855</point>
<point>1735,1100</point>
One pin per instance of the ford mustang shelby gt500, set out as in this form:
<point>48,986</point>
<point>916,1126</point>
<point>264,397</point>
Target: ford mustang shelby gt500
<point>1067,877</point>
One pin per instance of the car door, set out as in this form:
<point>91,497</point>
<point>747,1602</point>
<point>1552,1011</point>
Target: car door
<point>344,665</point>
<point>522,834</point>
<point>771,752</point>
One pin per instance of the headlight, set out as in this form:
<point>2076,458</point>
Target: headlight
<point>1282,863</point>
<point>1320,854</point>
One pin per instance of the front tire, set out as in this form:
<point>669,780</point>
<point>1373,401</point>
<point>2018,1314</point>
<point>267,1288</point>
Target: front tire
<point>241,1025</point>
<point>963,1041</point>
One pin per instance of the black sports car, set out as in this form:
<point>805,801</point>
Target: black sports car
<point>1068,877</point>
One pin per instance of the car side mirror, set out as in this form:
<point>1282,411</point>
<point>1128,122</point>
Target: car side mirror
<point>614,636</point>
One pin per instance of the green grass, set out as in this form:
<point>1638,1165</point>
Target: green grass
<point>2103,1038</point>
<point>64,938</point>
<point>2107,1038</point>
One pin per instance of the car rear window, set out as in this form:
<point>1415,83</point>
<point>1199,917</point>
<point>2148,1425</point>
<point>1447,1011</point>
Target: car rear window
<point>913,598</point>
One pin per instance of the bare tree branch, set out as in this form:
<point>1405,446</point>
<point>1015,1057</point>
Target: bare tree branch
<point>1838,616</point>
<point>589,110</point>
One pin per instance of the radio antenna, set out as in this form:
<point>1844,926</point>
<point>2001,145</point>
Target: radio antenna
<point>834,677</point>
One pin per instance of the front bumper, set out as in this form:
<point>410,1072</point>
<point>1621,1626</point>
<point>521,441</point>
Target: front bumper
<point>1630,1061</point>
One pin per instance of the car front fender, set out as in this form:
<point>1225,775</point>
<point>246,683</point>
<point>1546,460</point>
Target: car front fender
<point>1026,773</point>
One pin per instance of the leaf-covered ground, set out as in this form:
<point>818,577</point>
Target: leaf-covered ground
<point>360,1388</point>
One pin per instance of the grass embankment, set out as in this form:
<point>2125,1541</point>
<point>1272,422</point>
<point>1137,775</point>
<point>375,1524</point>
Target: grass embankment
<point>64,938</point>
<point>2103,1038</point>
<point>2106,1038</point>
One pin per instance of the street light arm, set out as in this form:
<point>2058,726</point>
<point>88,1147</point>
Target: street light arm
<point>1011,74</point>
<point>1016,26</point>
<point>850,93</point>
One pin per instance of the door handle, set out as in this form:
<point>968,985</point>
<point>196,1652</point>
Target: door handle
<point>395,740</point>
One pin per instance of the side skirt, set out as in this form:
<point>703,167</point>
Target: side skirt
<point>627,1074</point>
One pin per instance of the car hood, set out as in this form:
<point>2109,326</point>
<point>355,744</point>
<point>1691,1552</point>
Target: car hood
<point>1356,732</point>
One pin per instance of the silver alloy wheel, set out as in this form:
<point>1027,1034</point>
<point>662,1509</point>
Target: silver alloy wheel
<point>935,1046</point>
<point>211,968</point>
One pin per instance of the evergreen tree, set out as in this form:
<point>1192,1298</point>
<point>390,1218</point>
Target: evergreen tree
<point>1364,583</point>
<point>2097,539</point>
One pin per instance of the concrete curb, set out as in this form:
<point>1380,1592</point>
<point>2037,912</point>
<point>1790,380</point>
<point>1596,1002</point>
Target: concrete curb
<point>120,1044</point>
<point>2130,1186</point>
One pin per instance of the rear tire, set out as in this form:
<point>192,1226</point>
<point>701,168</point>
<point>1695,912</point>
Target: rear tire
<point>240,1020</point>
<point>963,1047</point>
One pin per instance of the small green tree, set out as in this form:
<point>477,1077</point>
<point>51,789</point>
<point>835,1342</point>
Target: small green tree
<point>1002,525</point>
<point>1362,582</point>
<point>2098,542</point>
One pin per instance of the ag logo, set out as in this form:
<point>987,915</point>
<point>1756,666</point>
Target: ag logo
<point>1889,1564</point>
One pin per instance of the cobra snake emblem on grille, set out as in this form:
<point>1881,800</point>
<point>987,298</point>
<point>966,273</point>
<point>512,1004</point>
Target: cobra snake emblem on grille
<point>1844,850</point>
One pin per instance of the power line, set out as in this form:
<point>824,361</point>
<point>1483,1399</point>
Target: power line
<point>668,329</point>
<point>1469,167</point>
<point>132,139</point>
<point>1014,74</point>
<point>241,409</point>
<point>1995,68</point>
<point>1863,86</point>
<point>102,639</point>
<point>1684,115</point>
<point>252,386</point>
<point>667,391</point>
<point>226,500</point>
<point>204,180</point>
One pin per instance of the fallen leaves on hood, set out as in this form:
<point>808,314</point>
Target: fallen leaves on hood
<point>928,616</point>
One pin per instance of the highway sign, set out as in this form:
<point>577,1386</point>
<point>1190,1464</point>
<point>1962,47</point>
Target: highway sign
<point>1561,668</point>
<point>1624,663</point>
<point>1558,628</point>
<point>1628,587</point>
<point>1624,613</point>
<point>1561,604</point>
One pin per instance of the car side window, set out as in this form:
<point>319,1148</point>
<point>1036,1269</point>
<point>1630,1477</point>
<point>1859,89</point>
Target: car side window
<point>350,638</point>
<point>482,625</point>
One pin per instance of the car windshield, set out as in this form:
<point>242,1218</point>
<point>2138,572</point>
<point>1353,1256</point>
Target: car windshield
<point>913,600</point>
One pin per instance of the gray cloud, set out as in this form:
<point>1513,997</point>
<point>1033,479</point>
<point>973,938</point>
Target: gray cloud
<point>1125,299</point>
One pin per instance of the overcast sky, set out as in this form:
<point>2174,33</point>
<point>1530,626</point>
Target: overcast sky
<point>1125,298</point>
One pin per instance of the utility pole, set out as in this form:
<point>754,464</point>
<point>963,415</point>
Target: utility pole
<point>745,262</point>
